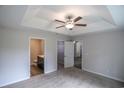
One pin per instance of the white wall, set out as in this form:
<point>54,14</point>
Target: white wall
<point>104,53</point>
<point>14,53</point>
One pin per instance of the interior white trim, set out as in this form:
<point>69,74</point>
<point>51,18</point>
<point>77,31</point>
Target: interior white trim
<point>5,84</point>
<point>50,71</point>
<point>114,78</point>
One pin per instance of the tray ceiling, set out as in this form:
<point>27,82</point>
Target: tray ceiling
<point>97,18</point>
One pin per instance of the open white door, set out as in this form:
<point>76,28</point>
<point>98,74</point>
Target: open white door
<point>68,54</point>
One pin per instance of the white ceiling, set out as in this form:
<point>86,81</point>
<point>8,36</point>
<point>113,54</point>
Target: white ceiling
<point>97,18</point>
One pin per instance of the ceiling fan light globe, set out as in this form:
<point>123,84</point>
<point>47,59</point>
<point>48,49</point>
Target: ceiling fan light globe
<point>68,26</point>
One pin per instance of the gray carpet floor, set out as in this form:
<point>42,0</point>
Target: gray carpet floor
<point>68,78</point>
<point>77,62</point>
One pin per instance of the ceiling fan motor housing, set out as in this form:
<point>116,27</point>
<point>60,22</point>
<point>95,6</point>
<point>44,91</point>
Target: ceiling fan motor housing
<point>69,17</point>
<point>69,22</point>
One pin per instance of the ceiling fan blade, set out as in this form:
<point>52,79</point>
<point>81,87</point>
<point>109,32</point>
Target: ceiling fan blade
<point>60,26</point>
<point>80,24</point>
<point>77,19</point>
<point>59,21</point>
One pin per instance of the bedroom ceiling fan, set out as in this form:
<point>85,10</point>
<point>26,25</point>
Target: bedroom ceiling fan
<point>70,22</point>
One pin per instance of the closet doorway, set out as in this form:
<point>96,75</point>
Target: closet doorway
<point>37,55</point>
<point>60,55</point>
<point>78,54</point>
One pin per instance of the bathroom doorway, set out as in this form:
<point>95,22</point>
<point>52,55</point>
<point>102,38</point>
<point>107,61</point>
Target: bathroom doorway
<point>37,52</point>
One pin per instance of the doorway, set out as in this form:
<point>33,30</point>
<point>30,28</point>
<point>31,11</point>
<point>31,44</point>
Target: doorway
<point>78,54</point>
<point>37,51</point>
<point>60,55</point>
<point>65,54</point>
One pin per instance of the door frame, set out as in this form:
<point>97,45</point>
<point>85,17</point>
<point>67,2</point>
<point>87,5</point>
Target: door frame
<point>31,37</point>
<point>82,46</point>
<point>81,41</point>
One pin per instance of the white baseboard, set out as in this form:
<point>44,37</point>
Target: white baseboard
<point>46,72</point>
<point>114,78</point>
<point>12,82</point>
